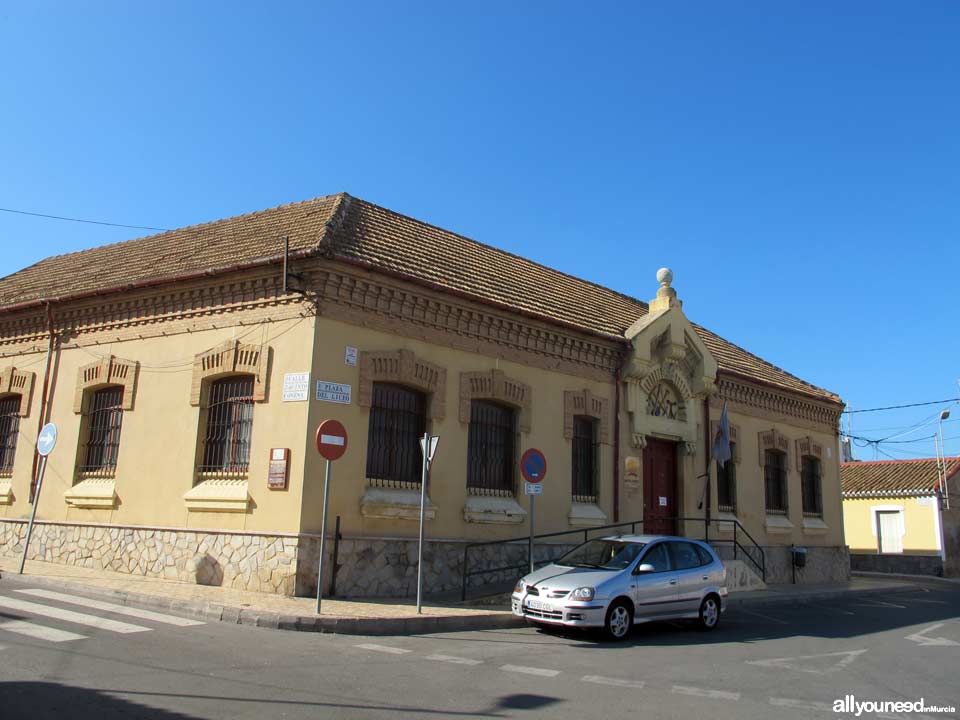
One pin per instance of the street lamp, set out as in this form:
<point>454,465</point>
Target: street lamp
<point>942,474</point>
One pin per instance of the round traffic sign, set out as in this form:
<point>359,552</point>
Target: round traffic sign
<point>331,439</point>
<point>533,465</point>
<point>47,439</point>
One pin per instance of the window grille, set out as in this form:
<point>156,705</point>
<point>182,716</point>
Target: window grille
<point>9,429</point>
<point>775,480</point>
<point>585,457</point>
<point>490,449</point>
<point>397,423</point>
<point>727,483</point>
<point>810,487</point>
<point>104,417</point>
<point>229,421</point>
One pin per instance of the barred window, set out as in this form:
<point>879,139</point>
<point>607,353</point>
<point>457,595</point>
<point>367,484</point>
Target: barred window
<point>397,423</point>
<point>103,419</point>
<point>727,483</point>
<point>229,421</point>
<point>490,448</point>
<point>810,486</point>
<point>9,430</point>
<point>775,481</point>
<point>585,457</point>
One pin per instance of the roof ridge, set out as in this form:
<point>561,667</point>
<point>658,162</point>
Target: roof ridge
<point>898,461</point>
<point>185,228</point>
<point>507,253</point>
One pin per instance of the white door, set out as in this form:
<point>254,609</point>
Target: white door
<point>888,532</point>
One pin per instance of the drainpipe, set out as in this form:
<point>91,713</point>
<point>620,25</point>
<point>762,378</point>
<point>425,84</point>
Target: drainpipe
<point>44,414</point>
<point>616,446</point>
<point>706,465</point>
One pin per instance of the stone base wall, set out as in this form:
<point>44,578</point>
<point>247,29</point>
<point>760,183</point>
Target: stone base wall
<point>266,563</point>
<point>824,564</point>
<point>897,564</point>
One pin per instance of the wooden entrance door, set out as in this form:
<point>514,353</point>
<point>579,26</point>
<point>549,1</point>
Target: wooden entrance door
<point>660,487</point>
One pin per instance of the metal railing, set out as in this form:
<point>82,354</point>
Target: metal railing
<point>753,552</point>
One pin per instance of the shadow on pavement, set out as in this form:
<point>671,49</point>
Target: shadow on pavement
<point>53,701</point>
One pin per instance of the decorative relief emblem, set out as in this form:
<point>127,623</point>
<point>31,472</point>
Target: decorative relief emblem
<point>662,401</point>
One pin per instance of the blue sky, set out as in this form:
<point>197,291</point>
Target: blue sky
<point>798,166</point>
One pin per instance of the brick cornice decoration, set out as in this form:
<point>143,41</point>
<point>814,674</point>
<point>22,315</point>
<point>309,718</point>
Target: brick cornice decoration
<point>232,358</point>
<point>734,437</point>
<point>767,403</point>
<point>495,385</point>
<point>807,446</point>
<point>405,368</point>
<point>773,440</point>
<point>110,370</point>
<point>18,382</point>
<point>404,309</point>
<point>584,402</point>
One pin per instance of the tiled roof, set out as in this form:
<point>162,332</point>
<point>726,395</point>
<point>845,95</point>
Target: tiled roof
<point>353,230</point>
<point>893,477</point>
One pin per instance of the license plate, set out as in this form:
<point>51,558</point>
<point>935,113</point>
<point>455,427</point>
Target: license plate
<point>538,605</point>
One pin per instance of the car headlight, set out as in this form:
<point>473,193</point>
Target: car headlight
<point>584,593</point>
<point>519,586</point>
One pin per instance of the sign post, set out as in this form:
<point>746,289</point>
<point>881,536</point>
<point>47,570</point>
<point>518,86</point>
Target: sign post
<point>428,445</point>
<point>45,443</point>
<point>331,444</point>
<point>533,467</point>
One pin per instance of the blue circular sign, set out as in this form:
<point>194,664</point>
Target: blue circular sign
<point>533,465</point>
<point>47,439</point>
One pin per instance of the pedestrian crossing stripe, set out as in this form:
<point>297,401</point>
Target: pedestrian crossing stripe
<point>39,632</point>
<point>112,608</point>
<point>70,616</point>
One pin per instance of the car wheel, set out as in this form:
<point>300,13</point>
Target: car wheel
<point>709,613</point>
<point>619,620</point>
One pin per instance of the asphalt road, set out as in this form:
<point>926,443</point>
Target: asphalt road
<point>65,660</point>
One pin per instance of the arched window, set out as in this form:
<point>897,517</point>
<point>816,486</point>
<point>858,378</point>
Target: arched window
<point>100,428</point>
<point>397,422</point>
<point>775,481</point>
<point>810,486</point>
<point>227,426</point>
<point>585,457</point>
<point>9,430</point>
<point>490,448</point>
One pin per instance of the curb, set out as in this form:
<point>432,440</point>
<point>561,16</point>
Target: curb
<point>905,576</point>
<point>215,612</point>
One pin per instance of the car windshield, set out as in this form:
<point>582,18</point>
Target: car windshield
<point>604,554</point>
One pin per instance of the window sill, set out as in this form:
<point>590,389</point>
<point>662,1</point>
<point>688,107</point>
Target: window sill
<point>778,524</point>
<point>218,495</point>
<point>586,515</point>
<point>6,491</point>
<point>814,526</point>
<point>492,509</point>
<point>93,492</point>
<point>391,504</point>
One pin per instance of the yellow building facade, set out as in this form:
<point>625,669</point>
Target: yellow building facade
<point>900,515</point>
<point>187,373</point>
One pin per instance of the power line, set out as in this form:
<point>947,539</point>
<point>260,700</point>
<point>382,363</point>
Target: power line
<point>898,407</point>
<point>90,222</point>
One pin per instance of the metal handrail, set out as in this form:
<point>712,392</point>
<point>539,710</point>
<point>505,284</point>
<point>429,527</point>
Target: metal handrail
<point>466,573</point>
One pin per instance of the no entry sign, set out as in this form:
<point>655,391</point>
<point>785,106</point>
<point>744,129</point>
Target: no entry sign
<point>533,465</point>
<point>331,439</point>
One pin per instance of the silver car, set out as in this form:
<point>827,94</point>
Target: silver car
<point>614,582</point>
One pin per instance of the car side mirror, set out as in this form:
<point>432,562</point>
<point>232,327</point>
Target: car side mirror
<point>644,568</point>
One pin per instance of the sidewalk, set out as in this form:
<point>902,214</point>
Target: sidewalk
<point>352,617</point>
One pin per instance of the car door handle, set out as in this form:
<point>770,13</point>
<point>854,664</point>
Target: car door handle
<point>673,581</point>
<point>705,577</point>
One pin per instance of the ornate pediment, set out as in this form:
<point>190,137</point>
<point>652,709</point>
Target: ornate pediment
<point>667,370</point>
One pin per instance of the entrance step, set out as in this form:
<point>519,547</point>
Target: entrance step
<point>742,577</point>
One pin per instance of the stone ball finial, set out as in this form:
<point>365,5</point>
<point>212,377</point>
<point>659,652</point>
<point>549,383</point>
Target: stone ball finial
<point>665,276</point>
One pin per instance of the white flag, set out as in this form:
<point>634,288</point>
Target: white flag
<point>721,443</point>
